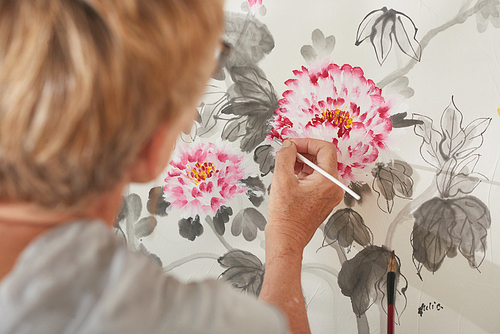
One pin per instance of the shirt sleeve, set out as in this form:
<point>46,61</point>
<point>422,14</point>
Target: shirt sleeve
<point>81,279</point>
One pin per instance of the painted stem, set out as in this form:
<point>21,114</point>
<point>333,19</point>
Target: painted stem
<point>320,266</point>
<point>190,258</point>
<point>406,213</point>
<point>460,18</point>
<point>210,223</point>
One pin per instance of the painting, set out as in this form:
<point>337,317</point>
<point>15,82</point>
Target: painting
<point>409,92</point>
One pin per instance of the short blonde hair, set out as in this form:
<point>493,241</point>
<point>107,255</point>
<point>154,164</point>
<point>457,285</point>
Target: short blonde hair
<point>84,84</point>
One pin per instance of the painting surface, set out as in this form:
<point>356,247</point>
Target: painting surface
<point>409,91</point>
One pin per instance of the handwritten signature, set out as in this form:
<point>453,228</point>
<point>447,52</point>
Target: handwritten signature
<point>430,306</point>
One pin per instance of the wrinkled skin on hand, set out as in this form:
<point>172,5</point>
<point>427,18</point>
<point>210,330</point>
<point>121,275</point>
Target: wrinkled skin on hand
<point>301,198</point>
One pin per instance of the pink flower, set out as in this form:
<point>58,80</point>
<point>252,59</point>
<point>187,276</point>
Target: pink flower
<point>254,2</point>
<point>340,105</point>
<point>203,177</point>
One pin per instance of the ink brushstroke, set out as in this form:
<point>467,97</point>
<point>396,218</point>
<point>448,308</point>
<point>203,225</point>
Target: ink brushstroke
<point>456,220</point>
<point>337,104</point>
<point>382,26</point>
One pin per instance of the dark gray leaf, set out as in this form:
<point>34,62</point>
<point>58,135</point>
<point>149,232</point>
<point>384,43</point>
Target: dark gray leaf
<point>472,221</point>
<point>190,228</point>
<point>221,218</point>
<point>157,205</point>
<point>248,221</point>
<point>400,121</point>
<point>233,130</point>
<point>346,226</point>
<point>363,278</point>
<point>362,189</point>
<point>256,189</point>
<point>430,238</point>
<point>244,271</point>
<point>253,102</point>
<point>250,38</point>
<point>145,227</point>
<point>263,155</point>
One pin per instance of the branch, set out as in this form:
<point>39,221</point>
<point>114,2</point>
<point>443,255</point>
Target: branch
<point>190,258</point>
<point>460,18</point>
<point>210,223</point>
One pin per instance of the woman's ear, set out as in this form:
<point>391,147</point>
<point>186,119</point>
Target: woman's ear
<point>154,156</point>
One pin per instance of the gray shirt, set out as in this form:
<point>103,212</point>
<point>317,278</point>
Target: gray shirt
<point>79,278</point>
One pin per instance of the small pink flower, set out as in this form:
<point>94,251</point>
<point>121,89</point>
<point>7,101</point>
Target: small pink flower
<point>340,105</point>
<point>254,2</point>
<point>203,177</point>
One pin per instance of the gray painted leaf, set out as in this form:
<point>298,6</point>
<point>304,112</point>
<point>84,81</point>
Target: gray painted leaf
<point>390,180</point>
<point>234,129</point>
<point>134,207</point>
<point>473,136</point>
<point>346,226</point>
<point>400,86</point>
<point>244,271</point>
<point>263,155</point>
<point>145,227</point>
<point>365,27</point>
<point>429,150</point>
<point>251,96</point>
<point>431,239</point>
<point>453,134</point>
<point>221,218</point>
<point>256,189</point>
<point>381,38</point>
<point>309,54</point>
<point>405,33</point>
<point>363,278</point>
<point>190,228</point>
<point>250,38</point>
<point>248,221</point>
<point>157,205</point>
<point>400,121</point>
<point>470,231</point>
<point>318,39</point>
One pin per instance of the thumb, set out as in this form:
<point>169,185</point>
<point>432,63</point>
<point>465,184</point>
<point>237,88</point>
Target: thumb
<point>285,159</point>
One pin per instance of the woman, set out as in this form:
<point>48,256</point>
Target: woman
<point>93,95</point>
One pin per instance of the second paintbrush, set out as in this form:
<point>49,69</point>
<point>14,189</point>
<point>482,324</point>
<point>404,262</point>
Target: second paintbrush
<point>322,172</point>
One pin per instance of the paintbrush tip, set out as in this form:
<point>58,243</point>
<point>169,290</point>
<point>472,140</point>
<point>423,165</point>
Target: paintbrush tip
<point>392,263</point>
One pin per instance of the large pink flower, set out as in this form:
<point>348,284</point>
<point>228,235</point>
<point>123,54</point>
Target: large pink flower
<point>340,105</point>
<point>203,177</point>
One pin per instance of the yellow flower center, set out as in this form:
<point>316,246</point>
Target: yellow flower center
<point>200,172</point>
<point>337,117</point>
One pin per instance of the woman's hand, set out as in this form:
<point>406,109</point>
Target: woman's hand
<point>301,198</point>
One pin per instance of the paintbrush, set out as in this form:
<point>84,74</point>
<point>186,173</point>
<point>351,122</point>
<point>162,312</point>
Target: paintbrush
<point>322,172</point>
<point>391,292</point>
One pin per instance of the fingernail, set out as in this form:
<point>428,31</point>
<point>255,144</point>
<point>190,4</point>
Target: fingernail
<point>287,143</point>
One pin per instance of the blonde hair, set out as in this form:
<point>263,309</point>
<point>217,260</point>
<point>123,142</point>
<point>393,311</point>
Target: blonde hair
<point>84,84</point>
